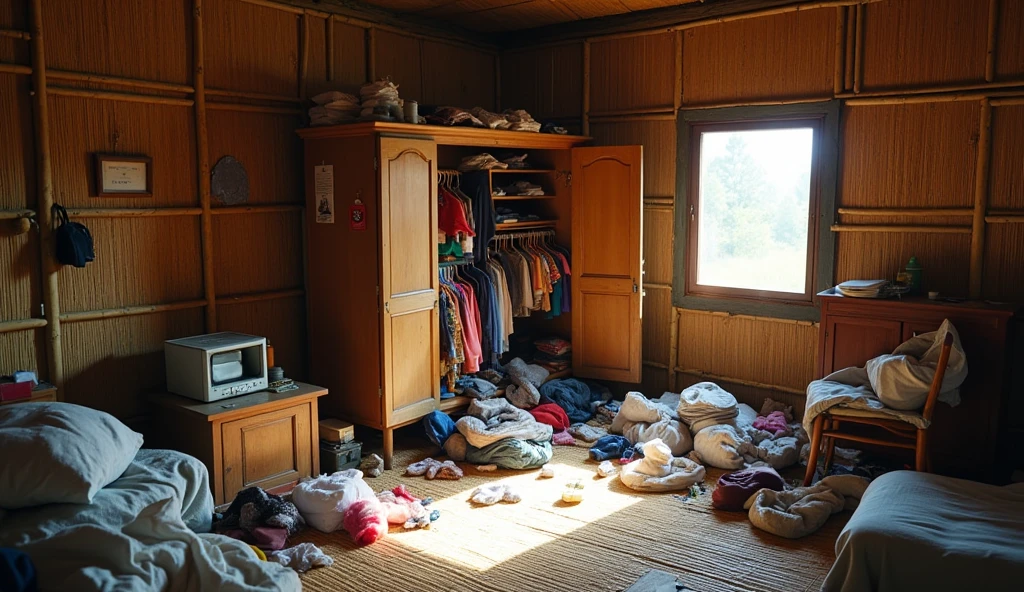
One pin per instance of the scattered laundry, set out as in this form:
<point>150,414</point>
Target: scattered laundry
<point>610,447</point>
<point>587,433</point>
<point>705,404</point>
<point>372,465</point>
<point>260,518</point>
<point>641,420</point>
<point>438,426</point>
<point>322,500</point>
<point>660,471</point>
<point>574,396</point>
<point>547,472</point>
<point>366,520</point>
<point>435,469</point>
<point>405,509</point>
<point>487,422</point>
<point>606,469</point>
<point>733,489</point>
<point>563,438</point>
<point>801,511</point>
<point>525,379</point>
<point>302,557</point>
<point>491,494</point>
<point>507,453</point>
<point>775,422</point>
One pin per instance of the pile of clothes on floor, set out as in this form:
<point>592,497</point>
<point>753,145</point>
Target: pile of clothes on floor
<point>554,354</point>
<point>517,430</point>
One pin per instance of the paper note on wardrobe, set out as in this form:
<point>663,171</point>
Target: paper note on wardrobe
<point>323,189</point>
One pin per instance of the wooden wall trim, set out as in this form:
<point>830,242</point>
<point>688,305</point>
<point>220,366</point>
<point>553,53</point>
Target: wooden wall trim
<point>905,211</point>
<point>981,176</point>
<point>750,383</point>
<point>235,94</point>
<point>14,69</point>
<point>203,164</point>
<point>71,76</point>
<point>838,75</point>
<point>257,209</point>
<point>858,50</point>
<point>244,107</point>
<point>127,311</point>
<point>1005,219</point>
<point>15,34</point>
<point>901,228</point>
<point>15,214</point>
<point>110,95</point>
<point>44,174</point>
<point>260,296</point>
<point>990,52</point>
<point>759,318</point>
<point>132,212</point>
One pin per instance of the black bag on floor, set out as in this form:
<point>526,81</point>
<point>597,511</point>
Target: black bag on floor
<point>74,243</point>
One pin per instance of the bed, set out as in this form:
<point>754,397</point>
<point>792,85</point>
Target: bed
<point>918,531</point>
<point>146,529</point>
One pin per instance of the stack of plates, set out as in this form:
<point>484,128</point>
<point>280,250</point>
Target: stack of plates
<point>862,288</point>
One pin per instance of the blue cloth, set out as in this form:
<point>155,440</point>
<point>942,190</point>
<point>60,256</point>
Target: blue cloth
<point>17,573</point>
<point>511,453</point>
<point>572,395</point>
<point>610,447</point>
<point>439,427</point>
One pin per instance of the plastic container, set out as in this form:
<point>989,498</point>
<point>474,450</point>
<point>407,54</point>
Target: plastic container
<point>573,492</point>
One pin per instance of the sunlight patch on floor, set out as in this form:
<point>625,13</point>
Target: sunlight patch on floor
<point>481,537</point>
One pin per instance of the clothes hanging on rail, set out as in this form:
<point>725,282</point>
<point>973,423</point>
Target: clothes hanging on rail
<point>477,186</point>
<point>538,272</point>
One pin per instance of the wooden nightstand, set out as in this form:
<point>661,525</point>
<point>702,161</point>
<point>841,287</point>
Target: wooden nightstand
<point>263,439</point>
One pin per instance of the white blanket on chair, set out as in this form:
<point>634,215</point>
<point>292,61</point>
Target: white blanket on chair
<point>901,380</point>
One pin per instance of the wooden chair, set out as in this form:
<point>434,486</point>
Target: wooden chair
<point>829,426</point>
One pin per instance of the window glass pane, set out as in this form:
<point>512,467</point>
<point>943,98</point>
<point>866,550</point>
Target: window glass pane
<point>754,207</point>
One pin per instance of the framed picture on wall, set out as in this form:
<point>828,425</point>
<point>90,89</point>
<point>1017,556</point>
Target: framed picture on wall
<point>124,176</point>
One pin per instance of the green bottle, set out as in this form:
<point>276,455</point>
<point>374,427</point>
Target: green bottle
<point>914,271</point>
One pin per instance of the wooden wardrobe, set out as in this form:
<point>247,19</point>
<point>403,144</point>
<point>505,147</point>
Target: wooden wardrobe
<point>372,296</point>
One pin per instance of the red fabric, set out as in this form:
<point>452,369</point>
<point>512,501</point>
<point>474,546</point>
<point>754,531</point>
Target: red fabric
<point>267,538</point>
<point>551,414</point>
<point>451,216</point>
<point>563,438</point>
<point>366,520</point>
<point>735,488</point>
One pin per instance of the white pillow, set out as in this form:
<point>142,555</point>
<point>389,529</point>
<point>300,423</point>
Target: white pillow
<point>60,453</point>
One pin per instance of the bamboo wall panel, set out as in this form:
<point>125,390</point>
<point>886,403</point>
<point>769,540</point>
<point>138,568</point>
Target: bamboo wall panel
<point>547,82</point>
<point>1006,189</point>
<point>266,144</point>
<point>876,255</point>
<point>109,364</point>
<point>282,322</point>
<point>19,268</point>
<point>138,261</point>
<point>17,165</point>
<point>444,76</point>
<point>1004,273</point>
<point>658,137</point>
<point>257,252</point>
<point>632,73</point>
<point>81,127</point>
<point>786,55</point>
<point>924,42</point>
<point>22,350</point>
<point>251,48</point>
<point>919,155</point>
<point>95,36</point>
<point>14,15</point>
<point>747,348</point>
<point>1010,40</point>
<point>658,229</point>
<point>349,57</point>
<point>657,322</point>
<point>399,58</point>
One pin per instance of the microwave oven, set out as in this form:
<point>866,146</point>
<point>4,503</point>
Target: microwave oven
<point>216,366</point>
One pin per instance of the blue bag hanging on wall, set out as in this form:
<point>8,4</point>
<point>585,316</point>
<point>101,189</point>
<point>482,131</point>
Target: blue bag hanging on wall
<point>74,242</point>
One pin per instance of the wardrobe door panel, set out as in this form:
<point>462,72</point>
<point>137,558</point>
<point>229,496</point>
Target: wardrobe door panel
<point>607,220</point>
<point>409,281</point>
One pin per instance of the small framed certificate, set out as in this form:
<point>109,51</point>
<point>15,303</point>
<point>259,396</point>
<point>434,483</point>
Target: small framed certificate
<point>124,176</point>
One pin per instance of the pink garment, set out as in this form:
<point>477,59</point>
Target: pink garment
<point>470,331</point>
<point>267,538</point>
<point>775,422</point>
<point>366,520</point>
<point>563,438</point>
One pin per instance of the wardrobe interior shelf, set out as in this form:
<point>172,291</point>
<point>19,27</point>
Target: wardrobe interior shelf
<point>520,197</point>
<point>531,224</point>
<point>523,171</point>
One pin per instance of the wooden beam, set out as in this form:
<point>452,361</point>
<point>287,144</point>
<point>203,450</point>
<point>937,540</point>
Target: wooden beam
<point>21,325</point>
<point>257,209</point>
<point>838,76</point>
<point>260,296</point>
<point>246,108</point>
<point>981,174</point>
<point>850,42</point>
<point>677,99</point>
<point>15,34</point>
<point>858,51</point>
<point>901,228</point>
<point>128,311</point>
<point>6,68</point>
<point>586,88</point>
<point>990,53</point>
<point>1005,219</point>
<point>68,75</point>
<point>969,91</point>
<point>203,164</point>
<point>16,214</point>
<point>236,94</point>
<point>905,211</point>
<point>132,212</point>
<point>108,95</point>
<point>44,182</point>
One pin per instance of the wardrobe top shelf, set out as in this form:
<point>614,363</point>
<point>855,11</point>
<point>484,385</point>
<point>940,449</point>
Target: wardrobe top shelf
<point>449,136</point>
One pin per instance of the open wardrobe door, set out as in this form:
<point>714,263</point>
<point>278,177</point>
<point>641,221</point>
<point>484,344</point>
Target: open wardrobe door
<point>409,284</point>
<point>607,222</point>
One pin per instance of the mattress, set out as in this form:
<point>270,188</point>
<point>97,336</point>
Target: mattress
<point>917,531</point>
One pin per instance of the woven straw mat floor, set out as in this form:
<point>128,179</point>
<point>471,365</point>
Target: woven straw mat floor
<point>604,543</point>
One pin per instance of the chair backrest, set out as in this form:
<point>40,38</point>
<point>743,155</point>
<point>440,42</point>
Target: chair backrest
<point>940,372</point>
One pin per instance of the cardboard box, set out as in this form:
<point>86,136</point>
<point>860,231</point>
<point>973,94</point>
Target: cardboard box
<point>336,430</point>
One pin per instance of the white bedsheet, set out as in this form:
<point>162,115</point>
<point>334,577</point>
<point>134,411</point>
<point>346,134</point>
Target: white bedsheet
<point>138,535</point>
<point>917,531</point>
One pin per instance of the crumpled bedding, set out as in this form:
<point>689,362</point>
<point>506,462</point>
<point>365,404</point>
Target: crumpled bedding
<point>660,471</point>
<point>491,420</point>
<point>894,384</point>
<point>801,511</point>
<point>140,533</point>
<point>642,420</point>
<point>705,404</point>
<point>574,396</point>
<point>963,535</point>
<point>736,443</point>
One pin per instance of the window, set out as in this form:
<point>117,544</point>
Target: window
<point>757,194</point>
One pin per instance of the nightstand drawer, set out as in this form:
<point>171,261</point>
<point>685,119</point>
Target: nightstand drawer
<point>268,449</point>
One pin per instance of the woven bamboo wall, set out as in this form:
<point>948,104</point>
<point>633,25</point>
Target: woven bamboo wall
<point>120,80</point>
<point>921,154</point>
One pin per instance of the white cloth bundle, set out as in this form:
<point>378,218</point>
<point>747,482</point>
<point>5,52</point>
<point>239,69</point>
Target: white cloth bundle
<point>641,420</point>
<point>659,471</point>
<point>322,500</point>
<point>705,404</point>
